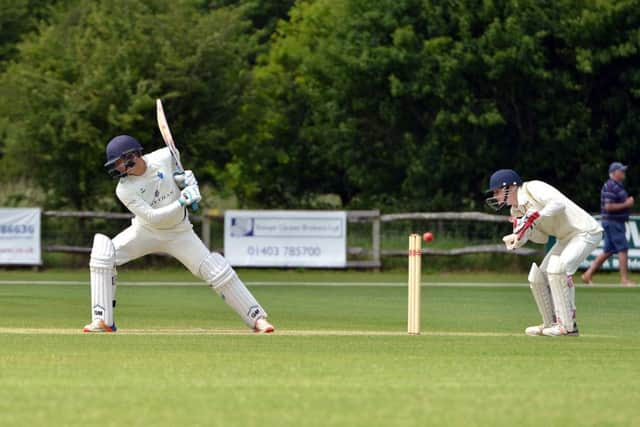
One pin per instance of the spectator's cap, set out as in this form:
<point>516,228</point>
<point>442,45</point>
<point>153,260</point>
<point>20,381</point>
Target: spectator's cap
<point>616,166</point>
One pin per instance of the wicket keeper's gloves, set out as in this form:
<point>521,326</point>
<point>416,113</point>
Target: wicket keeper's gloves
<point>512,242</point>
<point>524,224</point>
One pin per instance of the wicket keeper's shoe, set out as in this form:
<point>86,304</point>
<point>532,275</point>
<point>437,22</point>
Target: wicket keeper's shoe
<point>263,327</point>
<point>560,331</point>
<point>98,325</point>
<point>534,331</point>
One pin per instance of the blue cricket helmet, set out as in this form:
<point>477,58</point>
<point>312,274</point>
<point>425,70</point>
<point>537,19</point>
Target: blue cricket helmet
<point>119,148</point>
<point>504,178</point>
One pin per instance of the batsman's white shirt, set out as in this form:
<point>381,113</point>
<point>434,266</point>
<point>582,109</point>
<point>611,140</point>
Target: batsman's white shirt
<point>576,231</point>
<point>153,196</point>
<point>160,224</point>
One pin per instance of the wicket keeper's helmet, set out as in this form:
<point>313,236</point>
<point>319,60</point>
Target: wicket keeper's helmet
<point>121,147</point>
<point>503,178</point>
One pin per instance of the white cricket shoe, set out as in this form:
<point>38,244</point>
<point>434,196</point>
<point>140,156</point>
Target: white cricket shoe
<point>534,331</point>
<point>98,325</point>
<point>560,331</point>
<point>263,327</point>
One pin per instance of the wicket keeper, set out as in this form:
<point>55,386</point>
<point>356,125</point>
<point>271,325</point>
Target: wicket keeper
<point>538,211</point>
<point>158,196</point>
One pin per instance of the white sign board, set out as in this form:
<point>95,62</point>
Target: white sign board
<point>285,238</point>
<point>20,236</point>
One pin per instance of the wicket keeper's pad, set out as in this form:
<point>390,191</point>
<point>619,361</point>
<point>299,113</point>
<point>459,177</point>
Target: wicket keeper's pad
<point>217,272</point>
<point>562,292</point>
<point>541,294</point>
<point>103,279</point>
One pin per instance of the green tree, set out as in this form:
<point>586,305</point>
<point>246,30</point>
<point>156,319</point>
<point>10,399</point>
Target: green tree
<point>397,104</point>
<point>411,104</point>
<point>94,72</point>
<point>18,18</point>
<point>606,42</point>
<point>264,14</point>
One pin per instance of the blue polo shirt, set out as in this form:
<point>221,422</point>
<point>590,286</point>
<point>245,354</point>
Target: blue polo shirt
<point>613,192</point>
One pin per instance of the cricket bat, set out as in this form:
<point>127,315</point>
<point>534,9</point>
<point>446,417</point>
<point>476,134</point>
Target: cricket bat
<point>168,139</point>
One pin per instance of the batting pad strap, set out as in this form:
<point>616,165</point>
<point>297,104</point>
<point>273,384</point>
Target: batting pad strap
<point>216,271</point>
<point>541,294</point>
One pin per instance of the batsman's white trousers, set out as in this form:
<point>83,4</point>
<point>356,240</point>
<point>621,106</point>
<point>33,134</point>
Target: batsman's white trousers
<point>137,241</point>
<point>573,251</point>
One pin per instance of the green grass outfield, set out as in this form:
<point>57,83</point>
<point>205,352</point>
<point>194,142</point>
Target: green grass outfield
<point>340,355</point>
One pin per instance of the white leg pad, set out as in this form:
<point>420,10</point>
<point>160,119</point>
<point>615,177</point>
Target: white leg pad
<point>541,294</point>
<point>103,279</point>
<point>217,272</point>
<point>572,294</point>
<point>562,292</point>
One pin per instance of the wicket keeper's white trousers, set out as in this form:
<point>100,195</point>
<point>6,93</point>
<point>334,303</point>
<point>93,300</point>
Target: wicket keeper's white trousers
<point>137,241</point>
<point>573,251</point>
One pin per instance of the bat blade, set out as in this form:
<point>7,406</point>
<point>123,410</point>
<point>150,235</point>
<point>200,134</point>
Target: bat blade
<point>166,134</point>
<point>168,140</point>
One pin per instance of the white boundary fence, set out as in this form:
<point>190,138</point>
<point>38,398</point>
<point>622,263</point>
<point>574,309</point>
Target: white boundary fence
<point>373,256</point>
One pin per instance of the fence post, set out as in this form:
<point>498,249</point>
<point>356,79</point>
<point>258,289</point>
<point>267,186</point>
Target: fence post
<point>375,239</point>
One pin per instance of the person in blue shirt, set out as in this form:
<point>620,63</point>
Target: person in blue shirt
<point>615,204</point>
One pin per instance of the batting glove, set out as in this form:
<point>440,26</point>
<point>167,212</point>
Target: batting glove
<point>189,195</point>
<point>185,179</point>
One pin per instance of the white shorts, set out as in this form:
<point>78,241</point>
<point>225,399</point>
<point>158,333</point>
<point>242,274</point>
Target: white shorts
<point>573,251</point>
<point>136,241</point>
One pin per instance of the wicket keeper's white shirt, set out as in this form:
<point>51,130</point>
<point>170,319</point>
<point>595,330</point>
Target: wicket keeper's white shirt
<point>153,196</point>
<point>559,216</point>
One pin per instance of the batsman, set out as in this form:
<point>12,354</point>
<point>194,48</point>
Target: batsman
<point>158,195</point>
<point>538,211</point>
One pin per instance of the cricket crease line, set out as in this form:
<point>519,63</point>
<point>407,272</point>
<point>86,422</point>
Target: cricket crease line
<point>316,284</point>
<point>281,332</point>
